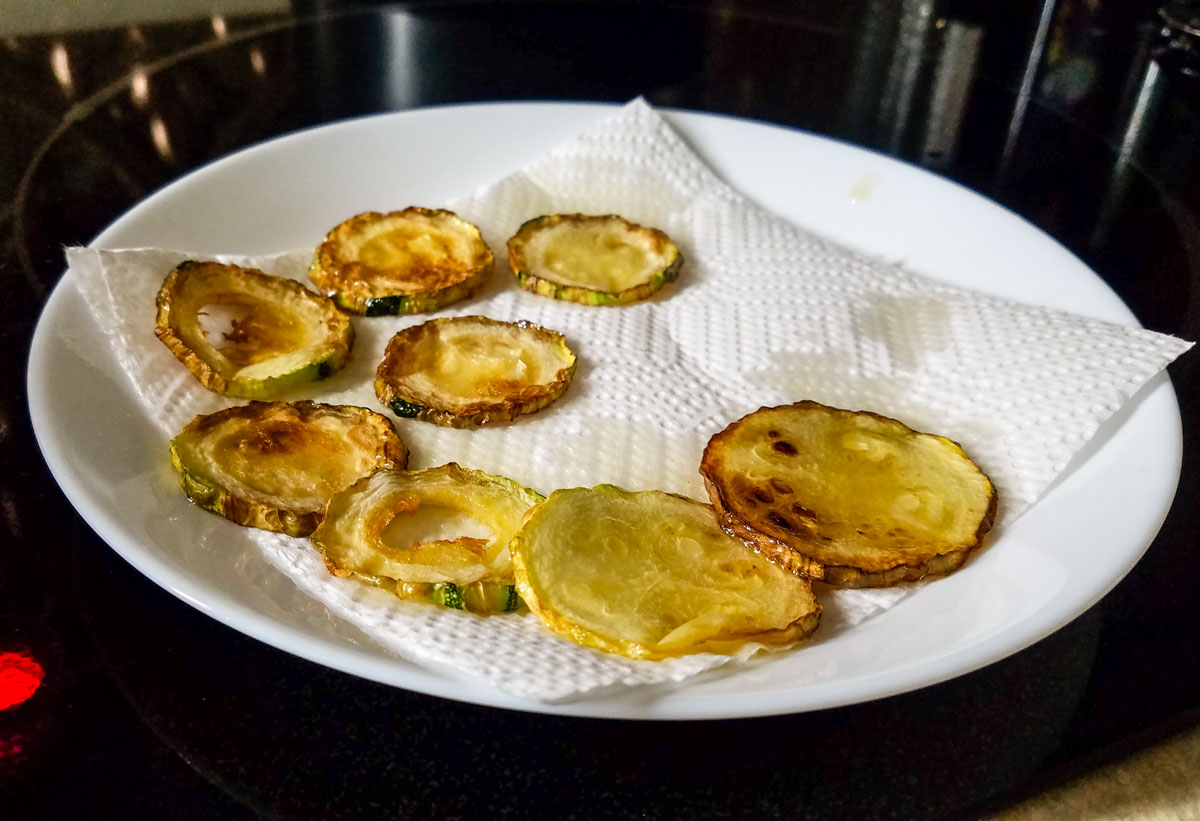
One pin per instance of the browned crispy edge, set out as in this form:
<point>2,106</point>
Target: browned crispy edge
<point>336,277</point>
<point>166,320</point>
<point>530,399</point>
<point>795,559</point>
<point>574,293</point>
<point>207,494</point>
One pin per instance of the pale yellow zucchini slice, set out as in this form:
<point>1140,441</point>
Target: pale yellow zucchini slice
<point>440,534</point>
<point>850,497</point>
<point>651,575</point>
<point>246,334</point>
<point>593,260</point>
<point>469,371</point>
<point>275,465</point>
<point>402,262</point>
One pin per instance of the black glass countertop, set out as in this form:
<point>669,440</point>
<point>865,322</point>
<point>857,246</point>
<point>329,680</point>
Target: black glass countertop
<point>1082,117</point>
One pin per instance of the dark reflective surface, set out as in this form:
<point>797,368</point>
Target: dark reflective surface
<point>153,709</point>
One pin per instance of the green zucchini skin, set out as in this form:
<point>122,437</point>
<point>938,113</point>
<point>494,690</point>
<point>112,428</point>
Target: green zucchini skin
<point>482,597</point>
<point>447,595</point>
<point>200,471</point>
<point>249,514</point>
<point>512,601</point>
<point>270,388</point>
<point>396,389</point>
<point>350,537</point>
<point>198,492</point>
<point>405,409</point>
<point>194,284</point>
<point>586,296</point>
<point>354,286</point>
<point>386,306</point>
<point>402,305</point>
<point>530,281</point>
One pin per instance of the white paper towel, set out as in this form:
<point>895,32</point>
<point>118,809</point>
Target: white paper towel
<point>765,313</point>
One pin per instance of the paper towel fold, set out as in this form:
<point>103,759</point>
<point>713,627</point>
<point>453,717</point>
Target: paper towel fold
<point>765,313</point>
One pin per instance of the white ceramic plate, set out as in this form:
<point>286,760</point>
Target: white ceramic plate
<point>1046,568</point>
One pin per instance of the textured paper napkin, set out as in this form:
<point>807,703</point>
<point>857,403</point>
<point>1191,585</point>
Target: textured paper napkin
<point>765,313</point>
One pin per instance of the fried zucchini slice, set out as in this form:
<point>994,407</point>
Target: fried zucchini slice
<point>471,370</point>
<point>850,497</point>
<point>440,534</point>
<point>402,262</point>
<point>595,260</point>
<point>275,465</point>
<point>244,333</point>
<point>651,575</point>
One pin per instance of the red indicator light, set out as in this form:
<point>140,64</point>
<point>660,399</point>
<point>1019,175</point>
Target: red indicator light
<point>20,678</point>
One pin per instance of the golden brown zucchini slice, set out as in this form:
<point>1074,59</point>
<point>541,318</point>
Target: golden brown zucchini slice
<point>650,575</point>
<point>402,262</point>
<point>850,497</point>
<point>441,533</point>
<point>595,260</point>
<point>247,334</point>
<point>471,370</point>
<point>275,465</point>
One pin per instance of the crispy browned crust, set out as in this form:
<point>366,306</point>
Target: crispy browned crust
<point>349,281</point>
<point>370,426</point>
<point>511,400</point>
<point>253,514</point>
<point>796,553</point>
<point>775,550</point>
<point>167,323</point>
<point>530,281</point>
